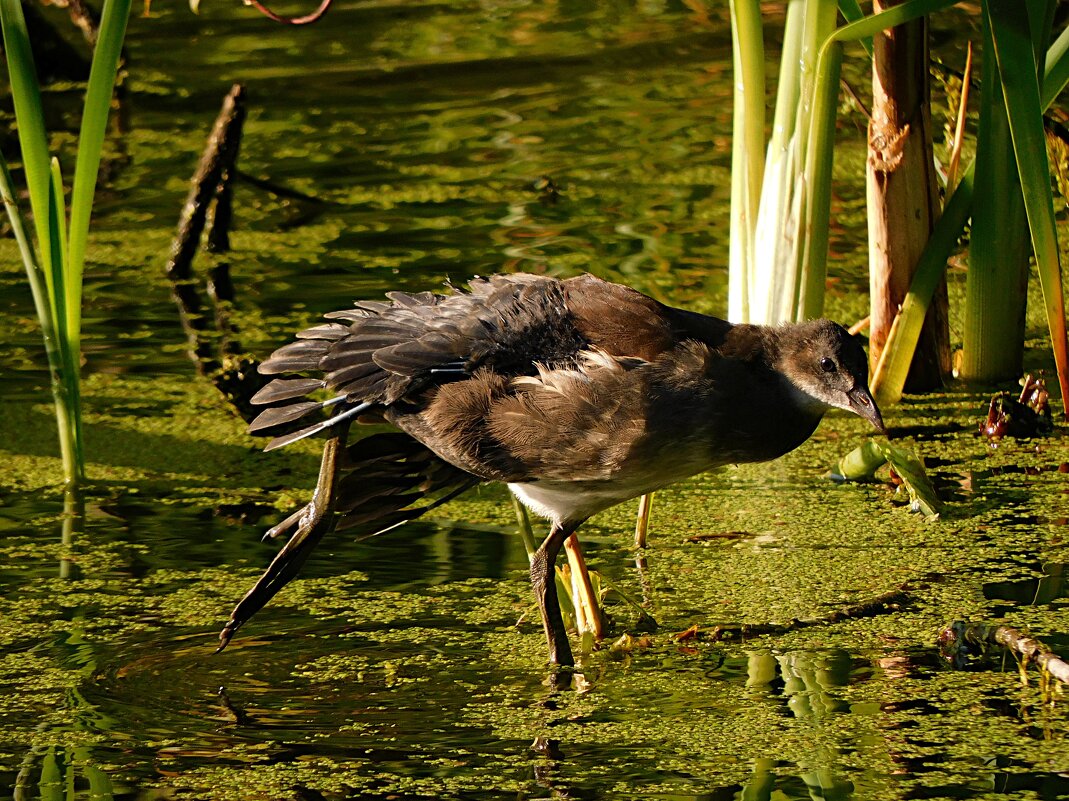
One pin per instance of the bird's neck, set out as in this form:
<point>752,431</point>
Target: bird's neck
<point>780,421</point>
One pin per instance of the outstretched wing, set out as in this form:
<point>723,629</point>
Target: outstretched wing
<point>380,353</point>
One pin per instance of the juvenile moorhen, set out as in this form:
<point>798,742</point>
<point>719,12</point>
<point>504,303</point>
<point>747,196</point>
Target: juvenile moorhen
<point>579,394</point>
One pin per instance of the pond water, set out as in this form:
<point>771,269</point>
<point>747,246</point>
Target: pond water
<point>397,668</point>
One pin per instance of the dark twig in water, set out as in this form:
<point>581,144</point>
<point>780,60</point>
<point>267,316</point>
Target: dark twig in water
<point>959,640</point>
<point>220,287</point>
<point>213,343</point>
<point>880,605</point>
<point>218,153</point>
<point>305,20</point>
<point>308,207</point>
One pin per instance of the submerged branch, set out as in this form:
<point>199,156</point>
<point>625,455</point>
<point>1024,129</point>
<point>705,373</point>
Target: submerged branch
<point>880,605</point>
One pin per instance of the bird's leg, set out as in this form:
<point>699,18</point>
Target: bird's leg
<point>312,522</point>
<point>322,504</point>
<point>544,584</point>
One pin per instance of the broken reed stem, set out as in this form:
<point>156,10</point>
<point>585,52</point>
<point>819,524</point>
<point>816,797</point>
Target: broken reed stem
<point>220,286</point>
<point>588,616</point>
<point>213,345</point>
<point>902,195</point>
<point>216,162</point>
<point>1028,648</point>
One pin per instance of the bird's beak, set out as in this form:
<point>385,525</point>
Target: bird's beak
<point>862,404</point>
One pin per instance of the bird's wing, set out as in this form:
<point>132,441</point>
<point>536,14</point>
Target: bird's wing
<point>623,322</point>
<point>379,353</point>
<point>584,422</point>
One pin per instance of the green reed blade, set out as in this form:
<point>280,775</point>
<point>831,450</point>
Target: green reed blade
<point>65,382</point>
<point>106,55</point>
<point>816,206</point>
<point>851,11</point>
<point>999,244</point>
<point>747,151</point>
<point>34,275</point>
<point>889,377</point>
<point>1012,39</point>
<point>29,116</point>
<point>1057,69</point>
<point>56,268</point>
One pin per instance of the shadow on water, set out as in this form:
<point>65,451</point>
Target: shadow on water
<point>1049,587</point>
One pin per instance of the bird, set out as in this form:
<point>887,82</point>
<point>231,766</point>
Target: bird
<point>577,393</point>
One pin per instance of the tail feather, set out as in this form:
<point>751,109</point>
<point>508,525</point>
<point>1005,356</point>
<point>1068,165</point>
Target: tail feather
<point>281,415</point>
<point>331,331</point>
<point>286,389</point>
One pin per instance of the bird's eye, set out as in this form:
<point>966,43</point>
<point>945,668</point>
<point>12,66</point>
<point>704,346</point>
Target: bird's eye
<point>827,365</point>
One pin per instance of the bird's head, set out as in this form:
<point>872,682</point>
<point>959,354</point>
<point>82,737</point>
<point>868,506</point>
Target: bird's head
<point>828,365</point>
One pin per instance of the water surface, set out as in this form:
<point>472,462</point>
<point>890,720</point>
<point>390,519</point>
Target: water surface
<point>397,667</point>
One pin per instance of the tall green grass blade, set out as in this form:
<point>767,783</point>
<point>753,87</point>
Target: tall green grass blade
<point>1041,22</point>
<point>1056,72</point>
<point>65,383</point>
<point>772,288</point>
<point>1011,36</point>
<point>772,291</point>
<point>999,247</point>
<point>851,11</point>
<point>29,257</point>
<point>787,269</point>
<point>57,228</point>
<point>29,116</point>
<point>748,147</point>
<point>106,55</point>
<point>55,220</point>
<point>816,206</point>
